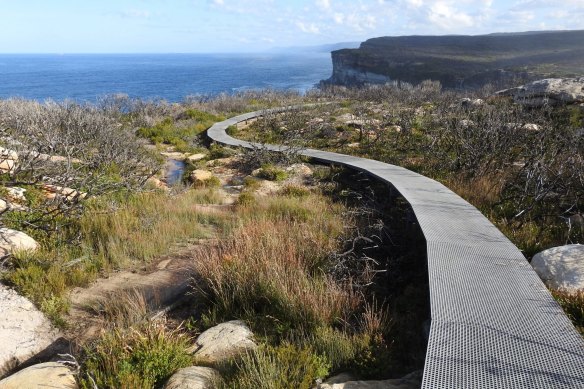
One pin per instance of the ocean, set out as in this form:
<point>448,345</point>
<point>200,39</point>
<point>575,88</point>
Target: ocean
<point>172,77</point>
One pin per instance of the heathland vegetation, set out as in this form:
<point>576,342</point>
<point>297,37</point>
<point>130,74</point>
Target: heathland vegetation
<point>324,268</point>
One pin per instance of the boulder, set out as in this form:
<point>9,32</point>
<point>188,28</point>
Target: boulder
<point>550,91</point>
<point>44,375</point>
<point>561,267</point>
<point>199,176</point>
<point>411,381</point>
<point>12,240</point>
<point>196,157</point>
<point>24,330</point>
<point>194,377</point>
<point>4,206</point>
<point>300,169</point>
<point>224,341</point>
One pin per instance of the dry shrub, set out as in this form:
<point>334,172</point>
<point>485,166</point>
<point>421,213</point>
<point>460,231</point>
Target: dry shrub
<point>273,270</point>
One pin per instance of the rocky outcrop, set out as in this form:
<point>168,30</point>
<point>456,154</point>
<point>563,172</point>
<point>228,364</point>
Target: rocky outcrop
<point>561,267</point>
<point>44,375</point>
<point>224,341</point>
<point>411,381</point>
<point>550,91</point>
<point>24,330</point>
<point>194,377</point>
<point>12,240</point>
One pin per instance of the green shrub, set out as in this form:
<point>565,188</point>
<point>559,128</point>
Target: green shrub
<point>294,191</point>
<point>283,367</point>
<point>251,183</point>
<point>246,198</point>
<point>136,358</point>
<point>272,173</point>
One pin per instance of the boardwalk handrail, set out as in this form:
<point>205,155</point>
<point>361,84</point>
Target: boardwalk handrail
<point>494,323</point>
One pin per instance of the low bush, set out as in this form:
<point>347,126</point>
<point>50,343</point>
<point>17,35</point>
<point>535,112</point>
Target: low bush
<point>142,357</point>
<point>281,367</point>
<point>272,173</point>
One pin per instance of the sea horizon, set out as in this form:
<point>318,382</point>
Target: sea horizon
<point>86,77</point>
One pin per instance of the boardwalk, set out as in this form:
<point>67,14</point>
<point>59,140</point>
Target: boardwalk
<point>494,323</point>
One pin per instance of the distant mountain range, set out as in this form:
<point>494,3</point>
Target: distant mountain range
<point>326,48</point>
<point>462,60</point>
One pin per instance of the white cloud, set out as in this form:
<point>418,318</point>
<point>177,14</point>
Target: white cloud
<point>323,4</point>
<point>447,17</point>
<point>339,18</point>
<point>135,14</point>
<point>310,28</point>
<point>219,2</point>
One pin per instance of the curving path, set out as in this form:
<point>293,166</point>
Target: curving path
<point>494,323</point>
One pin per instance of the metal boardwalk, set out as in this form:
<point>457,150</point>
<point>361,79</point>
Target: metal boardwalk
<point>494,323</point>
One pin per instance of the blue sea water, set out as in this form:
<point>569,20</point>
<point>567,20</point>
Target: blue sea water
<point>85,77</point>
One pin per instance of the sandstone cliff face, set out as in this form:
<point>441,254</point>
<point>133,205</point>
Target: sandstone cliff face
<point>461,61</point>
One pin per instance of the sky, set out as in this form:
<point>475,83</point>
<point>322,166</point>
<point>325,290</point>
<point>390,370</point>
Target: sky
<point>206,26</point>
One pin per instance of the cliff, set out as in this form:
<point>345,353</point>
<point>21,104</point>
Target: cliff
<point>461,61</point>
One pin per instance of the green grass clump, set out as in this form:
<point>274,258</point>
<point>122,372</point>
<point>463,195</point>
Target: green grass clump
<point>142,357</point>
<point>294,191</point>
<point>281,367</point>
<point>573,305</point>
<point>272,173</point>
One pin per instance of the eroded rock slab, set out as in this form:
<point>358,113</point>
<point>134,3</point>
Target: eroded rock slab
<point>24,330</point>
<point>411,381</point>
<point>44,375</point>
<point>194,377</point>
<point>550,91</point>
<point>561,267</point>
<point>224,341</point>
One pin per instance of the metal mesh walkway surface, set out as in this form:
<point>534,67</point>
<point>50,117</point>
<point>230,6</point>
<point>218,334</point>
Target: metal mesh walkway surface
<point>494,323</point>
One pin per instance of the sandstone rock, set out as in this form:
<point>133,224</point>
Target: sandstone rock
<point>221,161</point>
<point>550,91</point>
<point>174,155</point>
<point>44,375</point>
<point>224,341</point>
<point>411,381</point>
<point>156,183</point>
<point>561,267</point>
<point>8,154</point>
<point>199,176</point>
<point>466,123</point>
<point>354,145</point>
<point>469,103</point>
<point>346,117</point>
<point>7,165</point>
<point>69,194</point>
<point>299,169</point>
<point>12,240</point>
<point>16,193</point>
<point>4,206</point>
<point>194,377</point>
<point>196,157</point>
<point>24,330</point>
